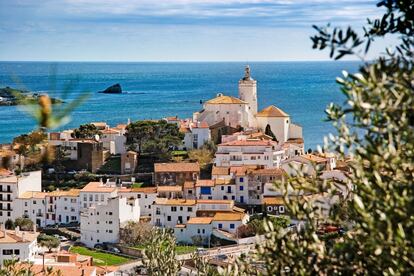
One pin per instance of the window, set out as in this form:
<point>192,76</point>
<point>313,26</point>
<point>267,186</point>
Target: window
<point>241,188</point>
<point>205,190</point>
<point>224,197</point>
<point>204,231</point>
<point>168,218</point>
<point>85,198</point>
<point>110,231</point>
<point>228,189</point>
<point>252,157</point>
<point>258,188</point>
<point>96,197</point>
<point>281,209</point>
<point>17,252</point>
<point>269,208</point>
<point>222,188</point>
<point>110,213</point>
<point>139,195</point>
<point>7,251</point>
<point>181,208</point>
<point>233,197</point>
<point>189,209</point>
<point>173,208</point>
<point>231,225</point>
<point>34,201</point>
<point>198,231</point>
<point>241,179</point>
<point>102,197</point>
<point>25,204</point>
<point>66,199</point>
<point>190,192</point>
<point>220,225</point>
<point>241,199</point>
<point>90,197</point>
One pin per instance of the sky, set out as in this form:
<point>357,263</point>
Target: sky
<point>173,30</point>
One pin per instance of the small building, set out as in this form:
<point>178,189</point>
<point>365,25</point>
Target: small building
<point>18,244</point>
<point>63,207</point>
<point>129,162</point>
<point>175,173</point>
<point>101,222</point>
<point>146,197</point>
<point>32,205</point>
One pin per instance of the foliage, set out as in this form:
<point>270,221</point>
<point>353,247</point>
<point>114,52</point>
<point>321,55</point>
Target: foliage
<point>9,224</point>
<point>258,223</point>
<point>13,267</point>
<point>25,224</point>
<point>376,130</point>
<point>203,156</point>
<point>154,137</point>
<point>100,258</point>
<point>160,254</point>
<point>135,233</point>
<point>269,132</point>
<point>47,241</point>
<point>202,267</point>
<point>86,131</point>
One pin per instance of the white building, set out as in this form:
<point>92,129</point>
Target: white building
<point>196,134</point>
<point>309,164</point>
<point>32,205</point>
<point>96,193</point>
<point>146,197</point>
<point>243,112</point>
<point>62,207</point>
<point>249,152</point>
<point>13,187</point>
<point>113,139</point>
<point>18,244</point>
<point>101,222</point>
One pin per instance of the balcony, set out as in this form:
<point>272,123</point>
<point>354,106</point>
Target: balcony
<point>5,209</point>
<point>5,200</point>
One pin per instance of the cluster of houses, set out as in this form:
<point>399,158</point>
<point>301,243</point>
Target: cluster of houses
<point>254,150</point>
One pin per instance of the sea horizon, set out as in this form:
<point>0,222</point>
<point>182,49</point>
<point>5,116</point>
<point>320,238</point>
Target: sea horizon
<point>155,90</point>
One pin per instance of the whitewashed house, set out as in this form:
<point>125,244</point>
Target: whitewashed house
<point>13,187</point>
<point>18,244</point>
<point>63,207</point>
<point>249,153</point>
<point>31,205</point>
<point>101,222</point>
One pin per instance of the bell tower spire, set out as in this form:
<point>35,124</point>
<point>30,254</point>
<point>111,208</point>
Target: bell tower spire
<point>248,90</point>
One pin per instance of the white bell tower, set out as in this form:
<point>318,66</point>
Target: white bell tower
<point>248,90</point>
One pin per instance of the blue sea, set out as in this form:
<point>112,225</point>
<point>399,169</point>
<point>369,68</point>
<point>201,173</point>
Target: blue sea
<point>156,90</point>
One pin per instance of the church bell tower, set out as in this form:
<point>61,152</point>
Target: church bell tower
<point>248,90</point>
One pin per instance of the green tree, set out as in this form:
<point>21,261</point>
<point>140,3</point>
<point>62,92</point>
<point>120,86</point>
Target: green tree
<point>154,137</point>
<point>47,241</point>
<point>160,254</point>
<point>376,130</point>
<point>86,131</point>
<point>25,224</point>
<point>9,224</point>
<point>268,131</point>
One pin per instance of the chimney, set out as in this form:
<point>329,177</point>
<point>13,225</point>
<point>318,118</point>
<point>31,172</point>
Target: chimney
<point>17,230</point>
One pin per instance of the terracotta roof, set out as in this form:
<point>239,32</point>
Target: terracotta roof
<point>232,216</point>
<point>98,187</point>
<point>225,100</point>
<point>214,201</point>
<point>272,111</point>
<point>180,226</point>
<point>71,192</point>
<point>200,220</point>
<point>204,183</point>
<point>65,269</point>
<point>144,190</point>
<point>249,143</point>
<point>314,158</point>
<point>11,236</point>
<point>295,141</point>
<point>221,181</point>
<point>179,202</point>
<point>172,118</point>
<point>220,171</point>
<point>176,167</point>
<point>273,201</point>
<point>188,185</point>
<point>110,131</point>
<point>9,180</point>
<point>174,188</point>
<point>184,130</point>
<point>5,172</point>
<point>200,125</point>
<point>28,195</point>
<point>274,172</point>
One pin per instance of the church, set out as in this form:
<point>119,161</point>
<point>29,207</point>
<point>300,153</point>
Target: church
<point>242,112</point>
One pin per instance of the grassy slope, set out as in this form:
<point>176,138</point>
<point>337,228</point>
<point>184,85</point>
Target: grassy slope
<point>100,258</point>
